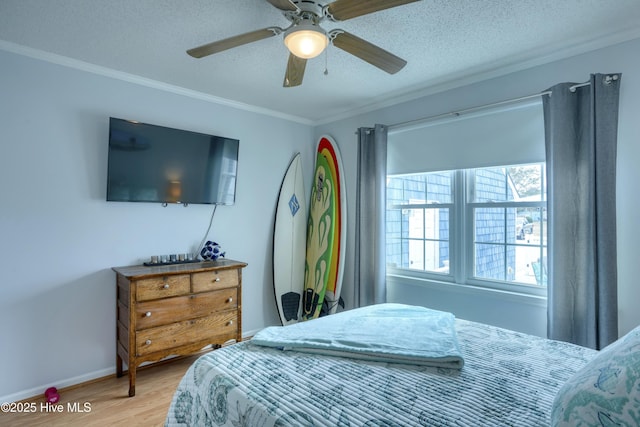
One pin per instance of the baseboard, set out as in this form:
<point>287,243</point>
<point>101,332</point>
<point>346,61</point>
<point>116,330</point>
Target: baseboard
<point>76,381</point>
<point>39,390</point>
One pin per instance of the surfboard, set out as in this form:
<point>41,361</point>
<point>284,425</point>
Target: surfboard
<point>324,262</point>
<point>289,243</point>
<point>329,149</point>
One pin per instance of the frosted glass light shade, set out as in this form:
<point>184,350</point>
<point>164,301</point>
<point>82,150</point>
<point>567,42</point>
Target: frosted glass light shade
<point>306,41</point>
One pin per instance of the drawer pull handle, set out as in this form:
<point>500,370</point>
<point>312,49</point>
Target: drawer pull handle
<point>148,342</point>
<point>148,314</point>
<point>230,322</point>
<point>217,279</point>
<point>166,286</point>
<point>230,300</point>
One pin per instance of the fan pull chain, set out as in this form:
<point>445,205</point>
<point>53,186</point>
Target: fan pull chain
<point>326,60</point>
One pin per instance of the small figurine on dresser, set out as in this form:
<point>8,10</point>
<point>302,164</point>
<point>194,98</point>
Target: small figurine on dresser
<point>211,251</point>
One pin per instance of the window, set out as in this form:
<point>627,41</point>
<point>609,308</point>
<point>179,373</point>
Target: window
<point>483,226</point>
<point>418,221</point>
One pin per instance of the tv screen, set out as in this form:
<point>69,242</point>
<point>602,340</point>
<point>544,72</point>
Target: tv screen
<point>149,163</point>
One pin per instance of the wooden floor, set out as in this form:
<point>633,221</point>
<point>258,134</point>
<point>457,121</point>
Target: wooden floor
<point>105,402</point>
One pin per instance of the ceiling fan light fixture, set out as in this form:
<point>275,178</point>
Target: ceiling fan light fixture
<point>306,40</point>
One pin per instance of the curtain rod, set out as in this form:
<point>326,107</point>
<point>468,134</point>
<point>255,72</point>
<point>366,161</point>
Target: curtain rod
<point>607,80</point>
<point>458,113</point>
<point>466,111</point>
<point>574,87</point>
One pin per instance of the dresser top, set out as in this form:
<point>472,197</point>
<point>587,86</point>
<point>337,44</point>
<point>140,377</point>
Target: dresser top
<point>135,271</point>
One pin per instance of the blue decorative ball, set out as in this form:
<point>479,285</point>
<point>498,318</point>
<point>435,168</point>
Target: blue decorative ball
<point>211,251</point>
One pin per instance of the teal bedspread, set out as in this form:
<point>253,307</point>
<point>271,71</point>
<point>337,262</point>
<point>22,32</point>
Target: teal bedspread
<point>508,379</point>
<point>392,333</point>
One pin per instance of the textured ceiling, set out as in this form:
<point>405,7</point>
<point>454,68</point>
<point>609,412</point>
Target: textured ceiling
<point>442,40</point>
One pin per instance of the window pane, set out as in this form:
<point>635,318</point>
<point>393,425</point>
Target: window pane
<point>436,187</point>
<point>394,252</point>
<point>521,264</point>
<point>528,226</point>
<point>490,185</point>
<point>527,182</point>
<point>418,239</point>
<point>414,189</point>
<point>439,187</point>
<point>489,224</point>
<point>394,193</point>
<point>436,224</point>
<point>432,256</point>
<point>393,225</point>
<point>406,189</point>
<point>527,264</point>
<point>415,223</point>
<point>437,257</point>
<point>514,183</point>
<point>415,256</point>
<point>490,262</point>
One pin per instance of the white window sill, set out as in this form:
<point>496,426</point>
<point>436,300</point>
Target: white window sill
<point>469,290</point>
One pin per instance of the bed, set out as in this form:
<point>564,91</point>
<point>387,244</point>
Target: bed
<point>507,379</point>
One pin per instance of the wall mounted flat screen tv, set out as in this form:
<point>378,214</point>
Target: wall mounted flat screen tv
<point>149,163</point>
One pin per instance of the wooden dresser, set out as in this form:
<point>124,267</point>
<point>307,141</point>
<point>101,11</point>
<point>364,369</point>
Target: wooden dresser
<point>175,310</point>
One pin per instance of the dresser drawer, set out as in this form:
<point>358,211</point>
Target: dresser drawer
<point>170,310</point>
<point>186,332</point>
<point>162,287</point>
<point>212,280</point>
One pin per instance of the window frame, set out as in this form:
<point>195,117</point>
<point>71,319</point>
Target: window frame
<point>462,247</point>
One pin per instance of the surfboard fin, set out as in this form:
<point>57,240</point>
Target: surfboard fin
<point>326,308</point>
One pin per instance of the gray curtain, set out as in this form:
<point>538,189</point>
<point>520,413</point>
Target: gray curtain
<point>370,263</point>
<point>581,138</point>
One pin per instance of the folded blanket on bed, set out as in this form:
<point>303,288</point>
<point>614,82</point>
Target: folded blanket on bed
<point>385,333</point>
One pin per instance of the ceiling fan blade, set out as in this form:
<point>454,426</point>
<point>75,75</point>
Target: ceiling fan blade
<point>295,71</point>
<point>341,10</point>
<point>366,51</point>
<point>283,5</point>
<point>235,41</point>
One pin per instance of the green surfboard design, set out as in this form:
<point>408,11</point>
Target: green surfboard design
<point>320,235</point>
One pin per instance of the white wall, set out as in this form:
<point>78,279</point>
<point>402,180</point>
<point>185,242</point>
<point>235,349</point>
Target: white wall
<point>528,315</point>
<point>59,238</point>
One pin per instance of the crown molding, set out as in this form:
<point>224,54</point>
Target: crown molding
<point>132,78</point>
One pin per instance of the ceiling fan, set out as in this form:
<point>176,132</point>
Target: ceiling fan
<point>305,38</point>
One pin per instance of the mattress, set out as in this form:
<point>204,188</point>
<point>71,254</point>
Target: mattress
<point>508,379</point>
